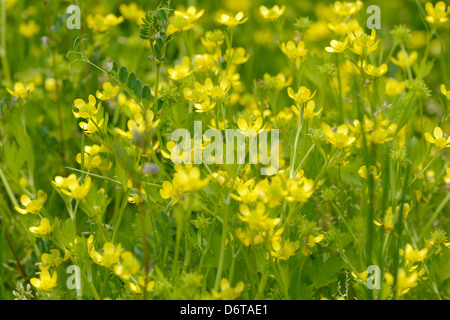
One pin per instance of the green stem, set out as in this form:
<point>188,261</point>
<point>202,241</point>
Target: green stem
<point>345,221</point>
<point>119,219</point>
<point>224,236</point>
<point>408,67</point>
<point>423,170</point>
<point>297,135</point>
<point>3,52</point>
<point>57,91</point>
<point>341,106</point>
<point>263,282</point>
<point>304,158</point>
<point>434,216</point>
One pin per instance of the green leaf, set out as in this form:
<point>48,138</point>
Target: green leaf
<point>14,157</point>
<point>305,292</point>
<point>146,92</point>
<point>328,271</point>
<point>115,66</point>
<point>138,88</point>
<point>121,176</point>
<point>158,48</point>
<point>68,232</point>
<point>123,74</point>
<point>131,83</point>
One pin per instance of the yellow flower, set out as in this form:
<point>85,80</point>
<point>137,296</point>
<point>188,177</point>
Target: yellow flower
<point>246,192</point>
<point>29,29</point>
<point>413,255</point>
<point>286,251</point>
<point>308,112</point>
<point>70,186</point>
<point>231,21</point>
<point>184,181</point>
<point>361,277</point>
<point>445,92</point>
<point>312,241</point>
<point>391,216</point>
<point>438,139</point>
<point>108,93</point>
<point>403,61</point>
<point>362,172</point>
<point>404,281</point>
<point>205,106</point>
<point>127,267</point>
<point>180,71</point>
<point>257,219</point>
<point>274,193</point>
<point>346,9</point>
<point>141,284</point>
<point>190,14</point>
<point>238,55</point>
<point>294,52</point>
<point>300,190</point>
<point>340,138</point>
<point>20,90</point>
<point>43,229</point>
<point>111,254</point>
<point>337,46</point>
<point>437,14</point>
<point>92,158</point>
<point>217,92</point>
<point>10,4</point>
<point>280,80</point>
<point>101,23</point>
<point>362,43</point>
<point>32,206</point>
<point>447,175</point>
<point>343,28</point>
<point>250,127</point>
<point>46,282</point>
<point>196,94</point>
<point>375,72</point>
<point>50,84</point>
<point>394,87</point>
<point>227,292</point>
<point>272,14</point>
<point>204,63</point>
<point>183,20</point>
<point>139,125</point>
<point>132,12</point>
<point>302,96</point>
<point>213,40</point>
<point>53,259</point>
<point>92,125</point>
<point>86,110</point>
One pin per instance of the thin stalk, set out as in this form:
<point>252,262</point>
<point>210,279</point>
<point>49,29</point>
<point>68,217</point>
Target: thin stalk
<point>11,246</point>
<point>423,170</point>
<point>57,91</point>
<point>341,106</point>
<point>297,135</point>
<point>145,247</point>
<point>345,221</point>
<point>224,236</point>
<point>304,158</point>
<point>435,215</point>
<point>3,52</point>
<point>262,283</point>
<point>121,211</point>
